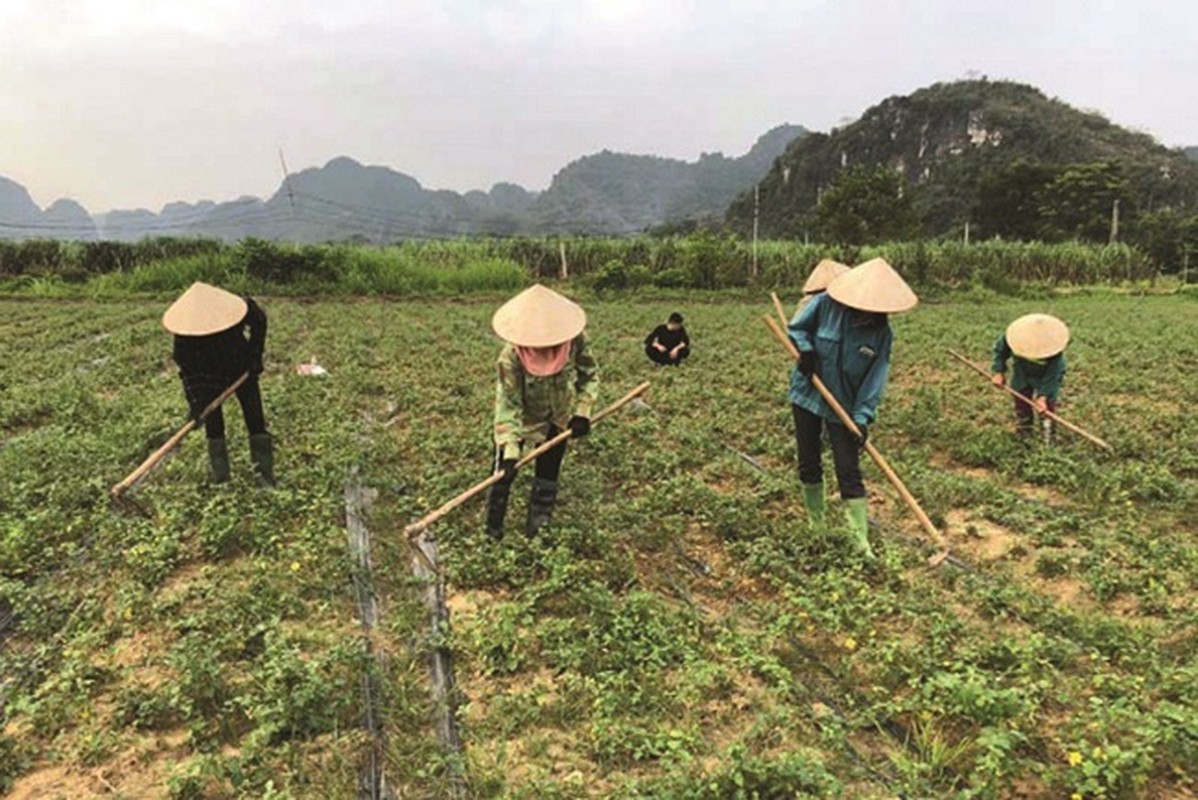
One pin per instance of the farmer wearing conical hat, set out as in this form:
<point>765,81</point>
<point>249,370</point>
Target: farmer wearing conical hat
<point>824,273</point>
<point>548,382</point>
<point>212,352</point>
<point>844,337</point>
<point>1036,342</point>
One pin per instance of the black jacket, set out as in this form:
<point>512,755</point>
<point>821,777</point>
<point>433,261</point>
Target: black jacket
<point>667,338</point>
<point>223,356</point>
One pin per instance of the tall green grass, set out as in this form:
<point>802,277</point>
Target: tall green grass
<point>699,261</point>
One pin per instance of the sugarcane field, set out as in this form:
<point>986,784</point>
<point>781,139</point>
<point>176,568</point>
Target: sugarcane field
<point>682,626</point>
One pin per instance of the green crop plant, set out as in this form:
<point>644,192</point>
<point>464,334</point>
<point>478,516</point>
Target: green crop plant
<point>681,631</point>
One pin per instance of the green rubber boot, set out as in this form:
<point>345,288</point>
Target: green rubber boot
<point>813,501</point>
<point>856,512</point>
<point>218,460</point>
<point>262,453</point>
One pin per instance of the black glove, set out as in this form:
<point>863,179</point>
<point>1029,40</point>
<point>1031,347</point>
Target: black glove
<point>508,467</point>
<point>255,367</point>
<point>808,363</point>
<point>579,426</point>
<point>864,437</point>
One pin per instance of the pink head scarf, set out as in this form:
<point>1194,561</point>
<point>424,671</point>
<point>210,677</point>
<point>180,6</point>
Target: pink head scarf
<point>544,361</point>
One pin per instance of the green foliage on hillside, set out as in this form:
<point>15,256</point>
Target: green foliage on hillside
<point>865,206</point>
<point>999,155</point>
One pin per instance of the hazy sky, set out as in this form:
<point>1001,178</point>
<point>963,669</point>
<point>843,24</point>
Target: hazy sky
<point>131,103</point>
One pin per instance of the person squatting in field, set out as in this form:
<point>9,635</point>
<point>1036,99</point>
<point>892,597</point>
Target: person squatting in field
<point>1036,343</point>
<point>212,352</point>
<point>843,337</point>
<point>548,381</point>
<point>668,345</point>
<point>817,282</point>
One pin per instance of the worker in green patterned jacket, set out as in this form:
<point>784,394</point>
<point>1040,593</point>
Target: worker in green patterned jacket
<point>548,382</point>
<point>1036,342</point>
<point>843,337</point>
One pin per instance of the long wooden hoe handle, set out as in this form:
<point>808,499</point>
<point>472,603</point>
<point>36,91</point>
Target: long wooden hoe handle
<point>890,474</point>
<point>418,527</point>
<point>1050,414</point>
<point>173,442</point>
<point>780,310</point>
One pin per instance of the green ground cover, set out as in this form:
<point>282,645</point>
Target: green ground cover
<point>680,633</point>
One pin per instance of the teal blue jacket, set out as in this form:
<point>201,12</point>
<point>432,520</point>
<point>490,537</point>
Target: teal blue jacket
<point>1043,376</point>
<point>853,348</point>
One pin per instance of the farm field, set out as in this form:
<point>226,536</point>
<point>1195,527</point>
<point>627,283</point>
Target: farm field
<point>680,633</point>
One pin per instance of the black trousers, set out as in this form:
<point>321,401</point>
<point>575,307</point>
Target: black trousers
<point>658,357</point>
<point>845,454</point>
<point>200,393</point>
<point>548,464</point>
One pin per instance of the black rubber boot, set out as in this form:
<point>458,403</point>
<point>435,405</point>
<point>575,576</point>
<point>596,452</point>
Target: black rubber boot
<point>262,453</point>
<point>540,505</point>
<point>218,460</point>
<point>497,497</point>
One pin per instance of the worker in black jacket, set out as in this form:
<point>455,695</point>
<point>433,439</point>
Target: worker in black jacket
<point>212,352</point>
<point>668,344</point>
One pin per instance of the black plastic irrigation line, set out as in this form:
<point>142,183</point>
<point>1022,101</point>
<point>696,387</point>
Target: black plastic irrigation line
<point>889,727</point>
<point>372,780</point>
<point>8,620</point>
<point>745,457</point>
<point>748,459</point>
<point>700,569</point>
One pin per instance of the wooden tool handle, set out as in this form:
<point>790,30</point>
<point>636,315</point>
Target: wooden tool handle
<point>838,409</point>
<point>421,524</point>
<point>1027,400</point>
<point>173,442</point>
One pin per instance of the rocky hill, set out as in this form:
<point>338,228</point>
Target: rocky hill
<point>605,193</point>
<point>616,193</point>
<point>950,139</point>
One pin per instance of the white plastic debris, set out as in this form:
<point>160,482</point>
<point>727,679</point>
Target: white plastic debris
<point>311,368</point>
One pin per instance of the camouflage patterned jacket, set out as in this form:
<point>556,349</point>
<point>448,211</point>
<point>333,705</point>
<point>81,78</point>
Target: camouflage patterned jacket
<point>525,405</point>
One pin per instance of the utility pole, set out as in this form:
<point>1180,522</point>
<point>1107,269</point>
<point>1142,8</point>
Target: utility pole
<point>287,181</point>
<point>1114,221</point>
<point>756,207</point>
<point>966,231</point>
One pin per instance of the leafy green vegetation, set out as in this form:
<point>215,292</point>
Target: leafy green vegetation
<point>997,155</point>
<point>703,260</point>
<point>681,633</point>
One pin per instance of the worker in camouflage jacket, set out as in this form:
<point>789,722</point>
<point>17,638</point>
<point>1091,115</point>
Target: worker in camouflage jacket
<point>1035,343</point>
<point>212,351</point>
<point>548,382</point>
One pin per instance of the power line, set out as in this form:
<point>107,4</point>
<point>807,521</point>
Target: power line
<point>371,221</point>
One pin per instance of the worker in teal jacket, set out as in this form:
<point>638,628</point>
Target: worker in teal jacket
<point>1036,343</point>
<point>844,338</point>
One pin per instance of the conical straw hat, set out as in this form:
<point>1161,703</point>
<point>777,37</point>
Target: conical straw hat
<point>1037,336</point>
<point>873,286</point>
<point>538,317</point>
<point>203,310</point>
<point>824,273</point>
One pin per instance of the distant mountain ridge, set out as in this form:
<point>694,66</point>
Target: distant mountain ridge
<point>603,193</point>
<point>947,139</point>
